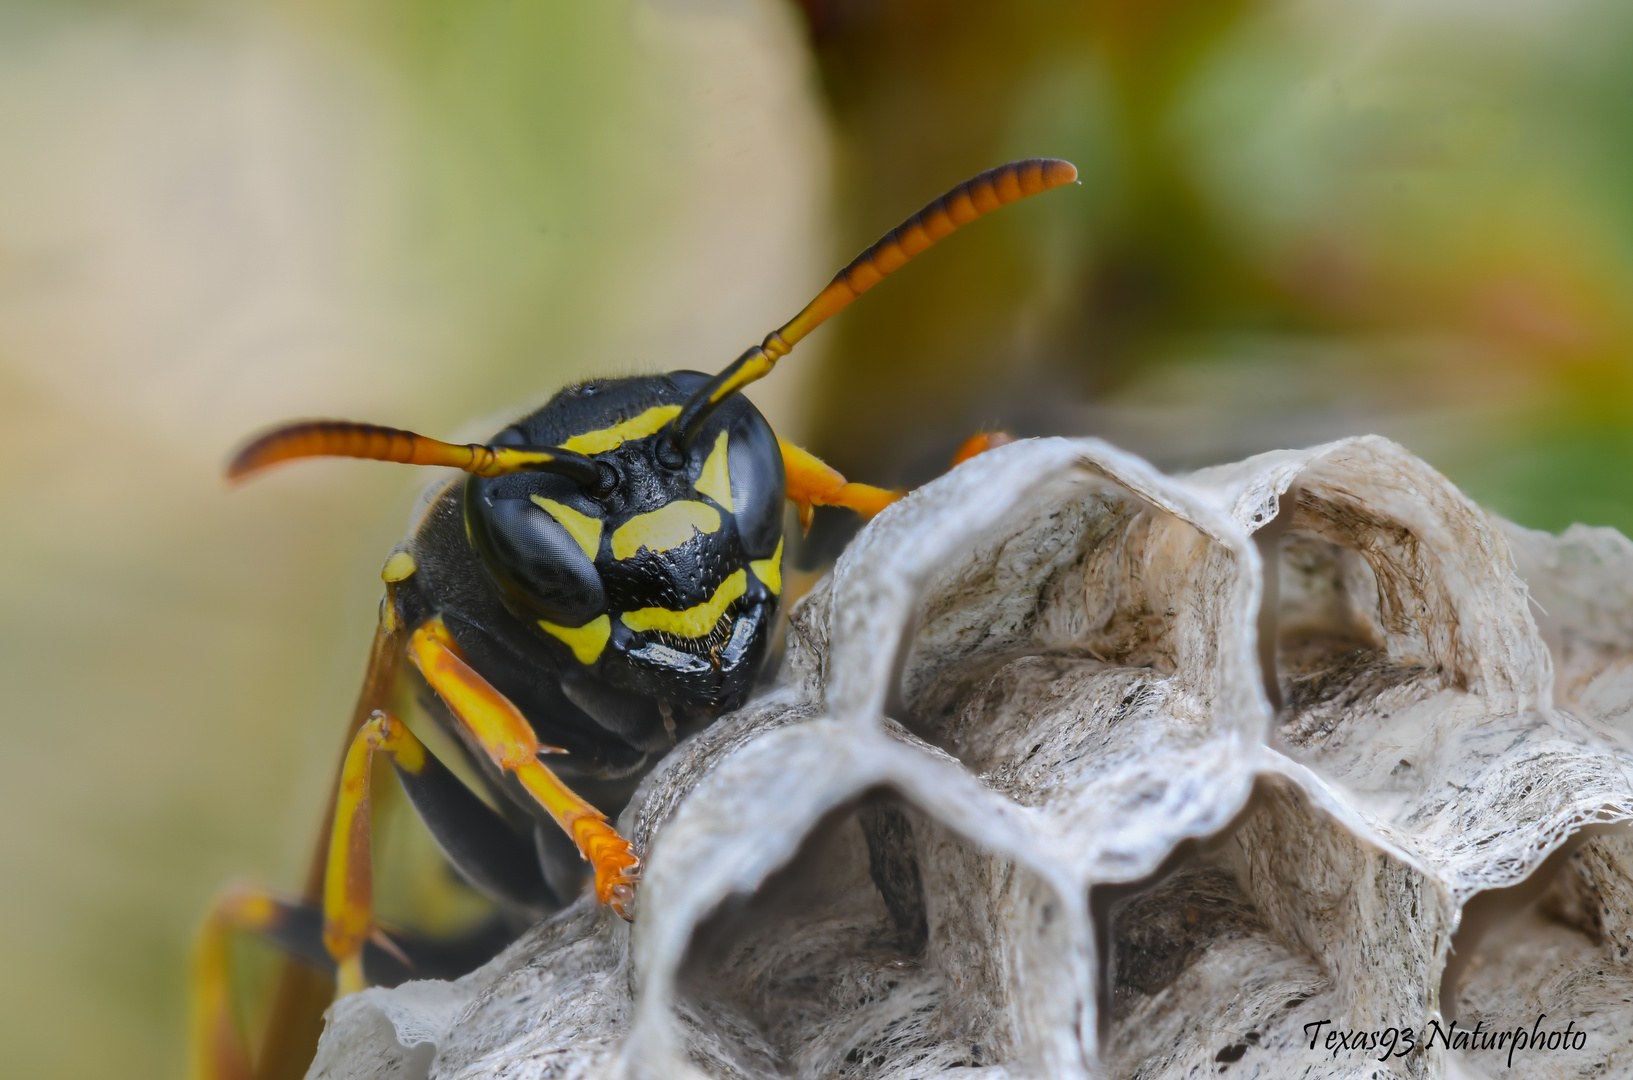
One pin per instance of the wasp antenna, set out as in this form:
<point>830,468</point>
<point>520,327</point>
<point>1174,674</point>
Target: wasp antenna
<point>345,438</point>
<point>973,198</point>
<point>963,204</point>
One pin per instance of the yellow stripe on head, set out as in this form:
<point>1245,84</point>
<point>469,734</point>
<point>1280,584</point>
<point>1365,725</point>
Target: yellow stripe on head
<point>667,527</point>
<point>770,570</point>
<point>610,438</point>
<point>715,480</point>
<point>694,622</point>
<point>586,641</point>
<point>582,527</point>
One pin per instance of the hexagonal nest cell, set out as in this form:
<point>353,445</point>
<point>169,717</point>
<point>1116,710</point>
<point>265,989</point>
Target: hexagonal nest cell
<point>1074,769</point>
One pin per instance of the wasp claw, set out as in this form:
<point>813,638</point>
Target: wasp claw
<point>622,900</point>
<point>380,938</point>
<point>617,867</point>
<point>979,443</point>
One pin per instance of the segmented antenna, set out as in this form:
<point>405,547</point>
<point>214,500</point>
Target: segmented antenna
<point>344,438</point>
<point>963,204</point>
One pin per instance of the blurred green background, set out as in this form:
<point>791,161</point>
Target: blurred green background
<point>1298,220</point>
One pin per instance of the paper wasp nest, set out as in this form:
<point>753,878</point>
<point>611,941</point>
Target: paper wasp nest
<point>1021,804</point>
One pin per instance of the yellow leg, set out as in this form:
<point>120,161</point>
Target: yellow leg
<point>302,992</point>
<point>219,1051</point>
<point>811,483</point>
<point>508,739</point>
<point>979,443</point>
<point>348,881</point>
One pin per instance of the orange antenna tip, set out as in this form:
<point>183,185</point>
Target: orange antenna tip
<point>328,438</point>
<point>975,197</point>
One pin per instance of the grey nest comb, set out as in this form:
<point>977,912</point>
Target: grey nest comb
<point>1044,790</point>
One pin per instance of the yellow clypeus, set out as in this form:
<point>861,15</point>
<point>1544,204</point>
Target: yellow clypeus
<point>694,622</point>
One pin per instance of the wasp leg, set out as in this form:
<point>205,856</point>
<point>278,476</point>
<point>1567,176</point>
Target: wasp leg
<point>303,991</point>
<point>977,444</point>
<point>219,1049</point>
<point>474,838</point>
<point>812,483</point>
<point>504,734</point>
<point>456,817</point>
<point>391,956</point>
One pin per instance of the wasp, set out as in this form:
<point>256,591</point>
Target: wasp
<point>602,582</point>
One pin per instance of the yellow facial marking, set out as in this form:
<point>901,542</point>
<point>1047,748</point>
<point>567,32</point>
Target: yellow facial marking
<point>638,427</point>
<point>694,622</point>
<point>582,527</point>
<point>715,480</point>
<point>586,641</point>
<point>399,567</point>
<point>770,570</point>
<point>667,527</point>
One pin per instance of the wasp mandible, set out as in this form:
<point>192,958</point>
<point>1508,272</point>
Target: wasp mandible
<point>600,584</point>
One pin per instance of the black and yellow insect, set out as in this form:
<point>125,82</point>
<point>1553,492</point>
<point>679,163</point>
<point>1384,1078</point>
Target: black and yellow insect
<point>602,583</point>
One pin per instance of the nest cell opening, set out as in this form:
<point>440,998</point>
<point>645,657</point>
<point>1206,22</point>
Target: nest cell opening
<point>1334,654</point>
<point>1367,645</point>
<point>1558,943</point>
<point>869,953</point>
<point>1190,963</point>
<point>1104,594</point>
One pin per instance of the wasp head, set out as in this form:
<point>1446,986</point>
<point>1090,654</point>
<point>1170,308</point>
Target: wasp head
<point>663,577</point>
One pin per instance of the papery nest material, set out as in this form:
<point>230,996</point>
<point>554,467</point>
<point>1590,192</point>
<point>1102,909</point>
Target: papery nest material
<point>1021,804</point>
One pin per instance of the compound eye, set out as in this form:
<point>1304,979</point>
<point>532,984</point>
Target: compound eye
<point>541,552</point>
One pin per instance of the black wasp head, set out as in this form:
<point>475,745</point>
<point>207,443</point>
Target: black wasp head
<point>662,579</point>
